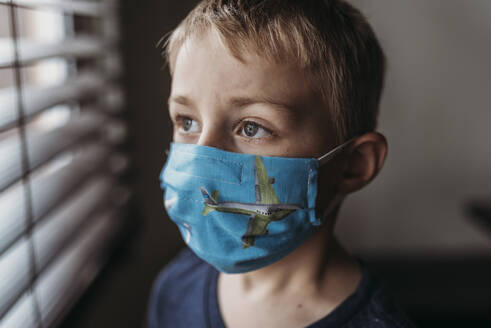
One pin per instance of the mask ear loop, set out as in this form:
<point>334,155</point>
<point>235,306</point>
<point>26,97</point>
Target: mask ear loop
<point>338,198</point>
<point>329,155</point>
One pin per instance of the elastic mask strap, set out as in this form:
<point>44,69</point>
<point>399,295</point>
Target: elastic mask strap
<point>328,156</point>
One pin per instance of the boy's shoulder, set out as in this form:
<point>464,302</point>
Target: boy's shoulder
<point>184,295</point>
<point>182,270</point>
<point>177,294</point>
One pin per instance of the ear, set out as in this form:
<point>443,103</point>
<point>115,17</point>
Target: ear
<point>364,159</point>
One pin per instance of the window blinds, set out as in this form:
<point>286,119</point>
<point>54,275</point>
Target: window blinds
<point>62,160</point>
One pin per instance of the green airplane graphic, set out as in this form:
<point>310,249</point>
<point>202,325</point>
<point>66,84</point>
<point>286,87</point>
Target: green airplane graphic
<point>266,209</point>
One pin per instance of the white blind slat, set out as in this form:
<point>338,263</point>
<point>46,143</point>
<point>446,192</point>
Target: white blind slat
<point>30,51</point>
<point>22,314</point>
<point>13,218</point>
<point>14,274</point>
<point>42,146</point>
<point>75,268</point>
<point>6,52</point>
<point>10,159</point>
<point>39,98</point>
<point>79,7</point>
<point>8,105</point>
<point>50,187</point>
<point>36,99</point>
<point>54,231</point>
<point>60,170</point>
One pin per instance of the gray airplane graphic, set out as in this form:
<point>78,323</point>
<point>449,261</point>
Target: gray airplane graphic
<point>266,209</point>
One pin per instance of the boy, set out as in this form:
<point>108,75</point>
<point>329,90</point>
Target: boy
<point>261,90</point>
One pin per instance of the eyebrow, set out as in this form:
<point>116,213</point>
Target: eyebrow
<point>183,100</point>
<point>239,102</point>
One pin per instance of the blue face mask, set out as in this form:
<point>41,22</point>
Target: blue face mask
<point>241,212</point>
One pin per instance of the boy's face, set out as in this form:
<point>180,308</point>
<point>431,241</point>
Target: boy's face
<point>250,106</point>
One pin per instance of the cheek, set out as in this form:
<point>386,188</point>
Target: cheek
<point>307,141</point>
<point>182,138</point>
<point>175,135</point>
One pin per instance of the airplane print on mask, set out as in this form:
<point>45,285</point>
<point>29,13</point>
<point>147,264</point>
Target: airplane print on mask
<point>266,209</point>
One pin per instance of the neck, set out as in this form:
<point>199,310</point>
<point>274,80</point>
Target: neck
<point>301,268</point>
<point>305,270</point>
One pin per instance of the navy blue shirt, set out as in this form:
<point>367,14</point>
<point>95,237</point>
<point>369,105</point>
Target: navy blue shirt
<point>185,295</point>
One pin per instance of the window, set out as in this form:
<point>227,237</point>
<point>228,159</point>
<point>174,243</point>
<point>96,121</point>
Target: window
<point>62,160</point>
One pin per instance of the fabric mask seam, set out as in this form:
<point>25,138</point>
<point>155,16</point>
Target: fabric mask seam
<point>214,158</point>
<point>308,184</point>
<point>308,198</point>
<point>211,179</point>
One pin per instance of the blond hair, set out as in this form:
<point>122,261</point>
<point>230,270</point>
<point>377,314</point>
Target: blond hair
<point>329,39</point>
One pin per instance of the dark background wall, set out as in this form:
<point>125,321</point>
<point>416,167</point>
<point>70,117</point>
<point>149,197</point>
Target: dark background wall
<point>435,113</point>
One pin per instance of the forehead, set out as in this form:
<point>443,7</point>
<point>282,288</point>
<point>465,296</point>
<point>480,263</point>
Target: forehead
<point>205,68</point>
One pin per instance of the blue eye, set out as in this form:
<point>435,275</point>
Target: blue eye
<point>253,130</point>
<point>250,129</point>
<point>188,125</point>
